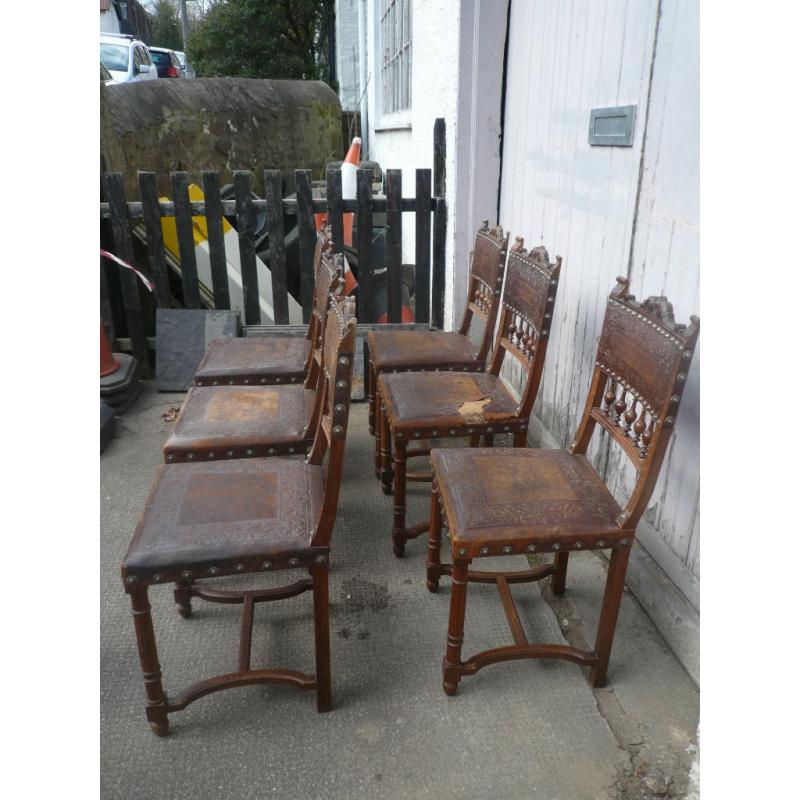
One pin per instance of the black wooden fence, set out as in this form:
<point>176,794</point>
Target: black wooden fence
<point>427,204</point>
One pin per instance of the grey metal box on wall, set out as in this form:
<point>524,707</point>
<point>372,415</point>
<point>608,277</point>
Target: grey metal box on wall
<point>612,126</point>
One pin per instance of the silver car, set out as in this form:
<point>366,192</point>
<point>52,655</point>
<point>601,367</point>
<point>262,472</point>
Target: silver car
<point>126,58</point>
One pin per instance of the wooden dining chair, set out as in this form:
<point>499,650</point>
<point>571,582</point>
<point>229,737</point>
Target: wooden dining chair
<point>210,520</point>
<point>222,422</point>
<point>274,358</point>
<point>429,350</point>
<point>432,405</point>
<point>525,501</point>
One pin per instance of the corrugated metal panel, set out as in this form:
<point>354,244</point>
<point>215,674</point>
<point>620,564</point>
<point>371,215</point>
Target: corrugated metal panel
<point>580,201</point>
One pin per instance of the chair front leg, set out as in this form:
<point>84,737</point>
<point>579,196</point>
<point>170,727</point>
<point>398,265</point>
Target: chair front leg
<point>386,451</point>
<point>378,422</point>
<point>322,644</point>
<point>183,597</point>
<point>434,571</point>
<point>371,398</point>
<point>452,666</point>
<point>615,583</point>
<point>399,525</point>
<point>155,709</point>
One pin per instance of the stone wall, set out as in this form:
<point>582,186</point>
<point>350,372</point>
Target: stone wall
<point>222,124</point>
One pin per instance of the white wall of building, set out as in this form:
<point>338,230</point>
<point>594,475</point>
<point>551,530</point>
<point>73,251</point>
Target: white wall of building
<point>614,211</point>
<point>109,22</point>
<point>347,53</point>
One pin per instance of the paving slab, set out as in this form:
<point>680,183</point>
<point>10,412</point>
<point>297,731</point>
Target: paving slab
<point>530,729</point>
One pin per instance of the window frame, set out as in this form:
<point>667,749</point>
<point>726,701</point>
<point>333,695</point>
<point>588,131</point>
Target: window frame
<point>401,61</point>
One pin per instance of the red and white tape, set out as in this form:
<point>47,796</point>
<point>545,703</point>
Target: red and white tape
<point>150,286</point>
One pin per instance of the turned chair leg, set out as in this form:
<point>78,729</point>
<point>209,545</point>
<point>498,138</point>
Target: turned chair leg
<point>148,659</point>
<point>386,453</point>
<point>452,666</point>
<point>559,579</point>
<point>378,421</point>
<point>322,643</point>
<point>615,583</point>
<point>488,440</point>
<point>371,398</point>
<point>183,597</point>
<point>399,526</point>
<point>434,571</point>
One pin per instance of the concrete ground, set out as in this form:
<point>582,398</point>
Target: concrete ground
<point>530,729</point>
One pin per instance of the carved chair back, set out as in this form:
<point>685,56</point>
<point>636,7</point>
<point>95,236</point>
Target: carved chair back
<point>334,396</point>
<point>485,283</point>
<point>526,316</point>
<point>328,279</point>
<point>643,359</point>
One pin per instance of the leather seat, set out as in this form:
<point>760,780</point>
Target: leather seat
<point>254,360</point>
<point>417,401</point>
<point>419,349</point>
<point>543,497</point>
<point>240,421</point>
<point>226,517</point>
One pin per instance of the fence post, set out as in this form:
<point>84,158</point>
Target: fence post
<point>151,212</point>
<point>246,227</point>
<point>216,241</point>
<point>307,239</point>
<point>364,193</point>
<point>394,244</point>
<point>273,192</point>
<point>439,223</point>
<point>333,197</point>
<point>184,228</point>
<point>422,257</point>
<point>129,283</point>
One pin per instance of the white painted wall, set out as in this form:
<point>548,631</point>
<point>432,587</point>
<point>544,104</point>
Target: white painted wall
<point>434,92</point>
<point>589,205</point>
<point>109,22</point>
<point>347,53</point>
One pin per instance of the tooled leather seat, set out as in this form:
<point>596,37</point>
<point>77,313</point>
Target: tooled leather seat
<point>254,360</point>
<point>239,422</point>
<point>405,350</point>
<point>208,518</point>
<point>417,402</point>
<point>526,496</point>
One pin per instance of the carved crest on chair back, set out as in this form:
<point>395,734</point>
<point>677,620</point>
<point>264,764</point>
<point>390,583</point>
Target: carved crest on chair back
<point>643,359</point>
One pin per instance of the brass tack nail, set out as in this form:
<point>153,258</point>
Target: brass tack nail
<point>170,458</point>
<point>157,577</point>
<point>271,451</point>
<point>294,562</point>
<point>338,429</point>
<point>681,377</point>
<point>579,545</point>
<point>507,549</point>
<point>277,380</point>
<point>320,560</point>
<point>230,453</point>
<point>211,454</point>
<point>556,546</point>
<point>344,361</point>
<point>249,452</point>
<point>187,573</point>
<point>190,457</point>
<point>669,421</point>
<point>531,548</point>
<point>213,570</point>
<point>484,551</point>
<point>216,383</point>
<point>263,380</point>
<point>240,567</point>
<point>266,565</point>
<point>230,383</point>
<point>246,380</point>
<point>339,408</point>
<point>131,579</point>
<point>624,542</point>
<point>462,552</point>
<point>340,384</point>
<point>291,449</point>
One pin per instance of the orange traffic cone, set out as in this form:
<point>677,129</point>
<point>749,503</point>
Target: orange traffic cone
<point>108,364</point>
<point>349,166</point>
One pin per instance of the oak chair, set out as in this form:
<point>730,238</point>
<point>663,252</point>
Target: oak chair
<point>238,517</point>
<point>221,422</point>
<point>524,501</point>
<point>421,350</point>
<point>270,359</point>
<point>431,405</point>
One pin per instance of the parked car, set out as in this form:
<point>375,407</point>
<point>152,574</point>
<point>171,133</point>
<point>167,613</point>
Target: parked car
<point>126,58</point>
<point>182,58</point>
<point>105,76</point>
<point>167,63</point>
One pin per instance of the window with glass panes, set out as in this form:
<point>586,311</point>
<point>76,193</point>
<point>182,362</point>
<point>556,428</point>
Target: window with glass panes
<point>396,62</point>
